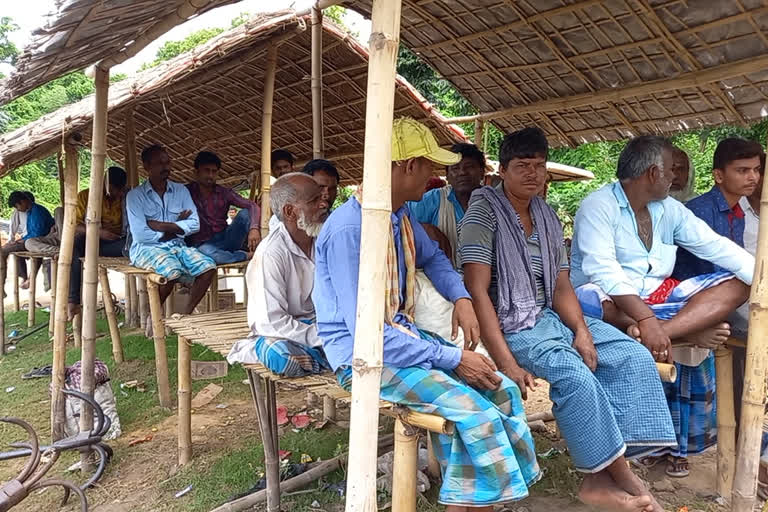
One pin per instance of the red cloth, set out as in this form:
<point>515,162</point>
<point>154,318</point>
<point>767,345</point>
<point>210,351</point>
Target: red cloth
<point>434,182</point>
<point>662,293</point>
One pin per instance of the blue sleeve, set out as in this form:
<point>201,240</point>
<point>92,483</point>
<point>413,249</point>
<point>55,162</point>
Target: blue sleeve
<point>426,210</point>
<point>39,222</point>
<point>342,255</point>
<point>191,224</point>
<point>137,221</point>
<point>437,266</point>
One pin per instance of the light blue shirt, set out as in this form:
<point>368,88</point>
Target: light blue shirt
<point>428,209</point>
<point>608,252</point>
<point>143,204</point>
<point>337,262</point>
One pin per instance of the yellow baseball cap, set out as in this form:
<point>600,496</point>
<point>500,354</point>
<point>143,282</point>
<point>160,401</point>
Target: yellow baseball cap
<point>411,139</point>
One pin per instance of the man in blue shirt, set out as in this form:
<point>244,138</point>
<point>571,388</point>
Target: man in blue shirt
<point>736,169</point>
<point>38,223</point>
<point>440,210</point>
<point>422,371</point>
<point>160,214</point>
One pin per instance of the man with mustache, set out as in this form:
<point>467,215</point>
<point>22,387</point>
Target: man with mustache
<point>280,279</point>
<point>160,214</point>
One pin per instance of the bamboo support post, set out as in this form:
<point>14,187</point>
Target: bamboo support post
<point>128,306</point>
<point>158,334</point>
<point>133,298</point>
<point>15,282</point>
<point>214,292</point>
<point>185,401</point>
<point>433,465</point>
<point>77,330</point>
<point>3,336</point>
<point>34,266</point>
<point>129,149</point>
<point>90,266</point>
<point>726,421</point>
<point>376,211</point>
<point>271,461</point>
<point>667,372</point>
<point>317,83</point>
<point>753,399</point>
<point>329,408</point>
<point>266,137</point>
<point>109,309</point>
<point>479,127</point>
<point>141,286</point>
<point>64,264</point>
<point>404,468</point>
<point>54,278</point>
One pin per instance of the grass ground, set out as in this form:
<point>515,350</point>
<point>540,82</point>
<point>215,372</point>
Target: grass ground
<point>228,457</point>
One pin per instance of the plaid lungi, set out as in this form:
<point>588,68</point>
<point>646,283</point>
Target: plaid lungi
<point>617,410</point>
<point>490,458</point>
<point>288,358</point>
<point>691,397</point>
<point>177,262</point>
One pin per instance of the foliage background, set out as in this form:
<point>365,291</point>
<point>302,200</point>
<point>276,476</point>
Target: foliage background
<point>41,177</point>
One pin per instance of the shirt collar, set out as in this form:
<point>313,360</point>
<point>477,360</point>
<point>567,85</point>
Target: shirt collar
<point>620,195</point>
<point>292,246</point>
<point>719,198</point>
<point>148,187</point>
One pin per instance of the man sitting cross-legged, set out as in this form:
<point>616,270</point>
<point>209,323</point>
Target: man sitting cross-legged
<point>160,214</point>
<point>280,278</point>
<point>222,242</point>
<point>608,399</point>
<point>490,459</point>
<point>626,236</point>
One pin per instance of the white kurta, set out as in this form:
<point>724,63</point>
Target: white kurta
<point>280,278</point>
<point>751,224</point>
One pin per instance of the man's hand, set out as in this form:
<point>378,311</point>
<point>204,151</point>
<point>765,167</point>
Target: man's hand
<point>166,237</point>
<point>438,236</point>
<point>184,215</point>
<point>154,225</point>
<point>522,378</point>
<point>464,317</point>
<point>655,339</point>
<point>105,234</point>
<point>478,371</point>
<point>254,237</point>
<point>585,346</point>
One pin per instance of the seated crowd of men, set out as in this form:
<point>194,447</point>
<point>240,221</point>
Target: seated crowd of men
<point>649,280</point>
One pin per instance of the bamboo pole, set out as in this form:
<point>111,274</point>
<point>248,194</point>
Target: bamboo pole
<point>329,408</point>
<point>404,468</point>
<point>54,278</point>
<point>479,127</point>
<point>3,338</point>
<point>34,265</point>
<point>90,266</point>
<point>109,309</point>
<point>433,465</point>
<point>376,211</point>
<point>64,265</point>
<point>158,334</point>
<point>127,279</point>
<point>185,401</point>
<point>318,148</point>
<point>753,399</point>
<point>130,157</point>
<point>266,137</point>
<point>141,285</point>
<point>77,330</point>
<point>726,421</point>
<point>15,282</point>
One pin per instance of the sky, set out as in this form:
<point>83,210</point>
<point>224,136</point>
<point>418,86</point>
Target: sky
<point>31,14</point>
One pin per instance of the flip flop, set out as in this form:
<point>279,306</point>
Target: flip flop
<point>38,373</point>
<point>677,467</point>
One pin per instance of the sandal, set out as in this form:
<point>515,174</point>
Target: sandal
<point>677,467</point>
<point>38,373</point>
<point>649,462</point>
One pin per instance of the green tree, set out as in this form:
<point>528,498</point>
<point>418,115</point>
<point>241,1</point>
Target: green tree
<point>173,49</point>
<point>8,50</point>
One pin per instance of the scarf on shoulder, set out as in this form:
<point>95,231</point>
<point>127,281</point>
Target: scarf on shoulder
<point>446,222</point>
<point>516,304</point>
<point>392,276</point>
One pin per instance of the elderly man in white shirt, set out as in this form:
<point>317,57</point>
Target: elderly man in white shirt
<point>280,278</point>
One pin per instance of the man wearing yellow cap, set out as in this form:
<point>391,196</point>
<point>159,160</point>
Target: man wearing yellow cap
<point>490,459</point>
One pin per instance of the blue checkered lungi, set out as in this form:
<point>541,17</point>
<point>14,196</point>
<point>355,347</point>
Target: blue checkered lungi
<point>617,410</point>
<point>490,458</point>
<point>175,262</point>
<point>691,397</point>
<point>288,358</point>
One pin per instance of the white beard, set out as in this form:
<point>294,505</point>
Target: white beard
<point>312,229</point>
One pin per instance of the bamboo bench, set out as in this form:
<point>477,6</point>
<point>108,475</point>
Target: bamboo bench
<point>218,332</point>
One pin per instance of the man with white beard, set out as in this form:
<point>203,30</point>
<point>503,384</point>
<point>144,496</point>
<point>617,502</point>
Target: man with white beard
<point>280,278</point>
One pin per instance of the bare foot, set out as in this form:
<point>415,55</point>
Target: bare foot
<point>711,338</point>
<point>599,490</point>
<point>72,310</point>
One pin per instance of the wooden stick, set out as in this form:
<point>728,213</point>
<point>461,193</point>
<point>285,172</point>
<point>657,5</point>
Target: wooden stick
<point>158,334</point>
<point>109,309</point>
<point>52,314</point>
<point>15,283</point>
<point>77,330</point>
<point>404,468</point>
<point>431,422</point>
<point>34,266</point>
<point>726,421</point>
<point>266,137</point>
<point>185,401</point>
<point>214,292</point>
<point>329,408</point>
<point>141,285</point>
<point>3,338</point>
<point>376,211</point>
<point>433,465</point>
<point>753,399</point>
<point>90,266</point>
<point>133,298</point>
<point>127,280</point>
<point>479,134</point>
<point>129,149</point>
<point>317,83</point>
<point>667,372</point>
<point>271,462</point>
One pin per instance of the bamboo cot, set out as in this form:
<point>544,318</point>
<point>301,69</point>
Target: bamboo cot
<point>376,210</point>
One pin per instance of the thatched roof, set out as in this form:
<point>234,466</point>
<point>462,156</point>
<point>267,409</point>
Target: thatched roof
<point>586,70</point>
<point>82,32</point>
<point>211,99</point>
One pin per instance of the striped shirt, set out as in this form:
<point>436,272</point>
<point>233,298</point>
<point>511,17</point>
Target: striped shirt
<point>477,244</point>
